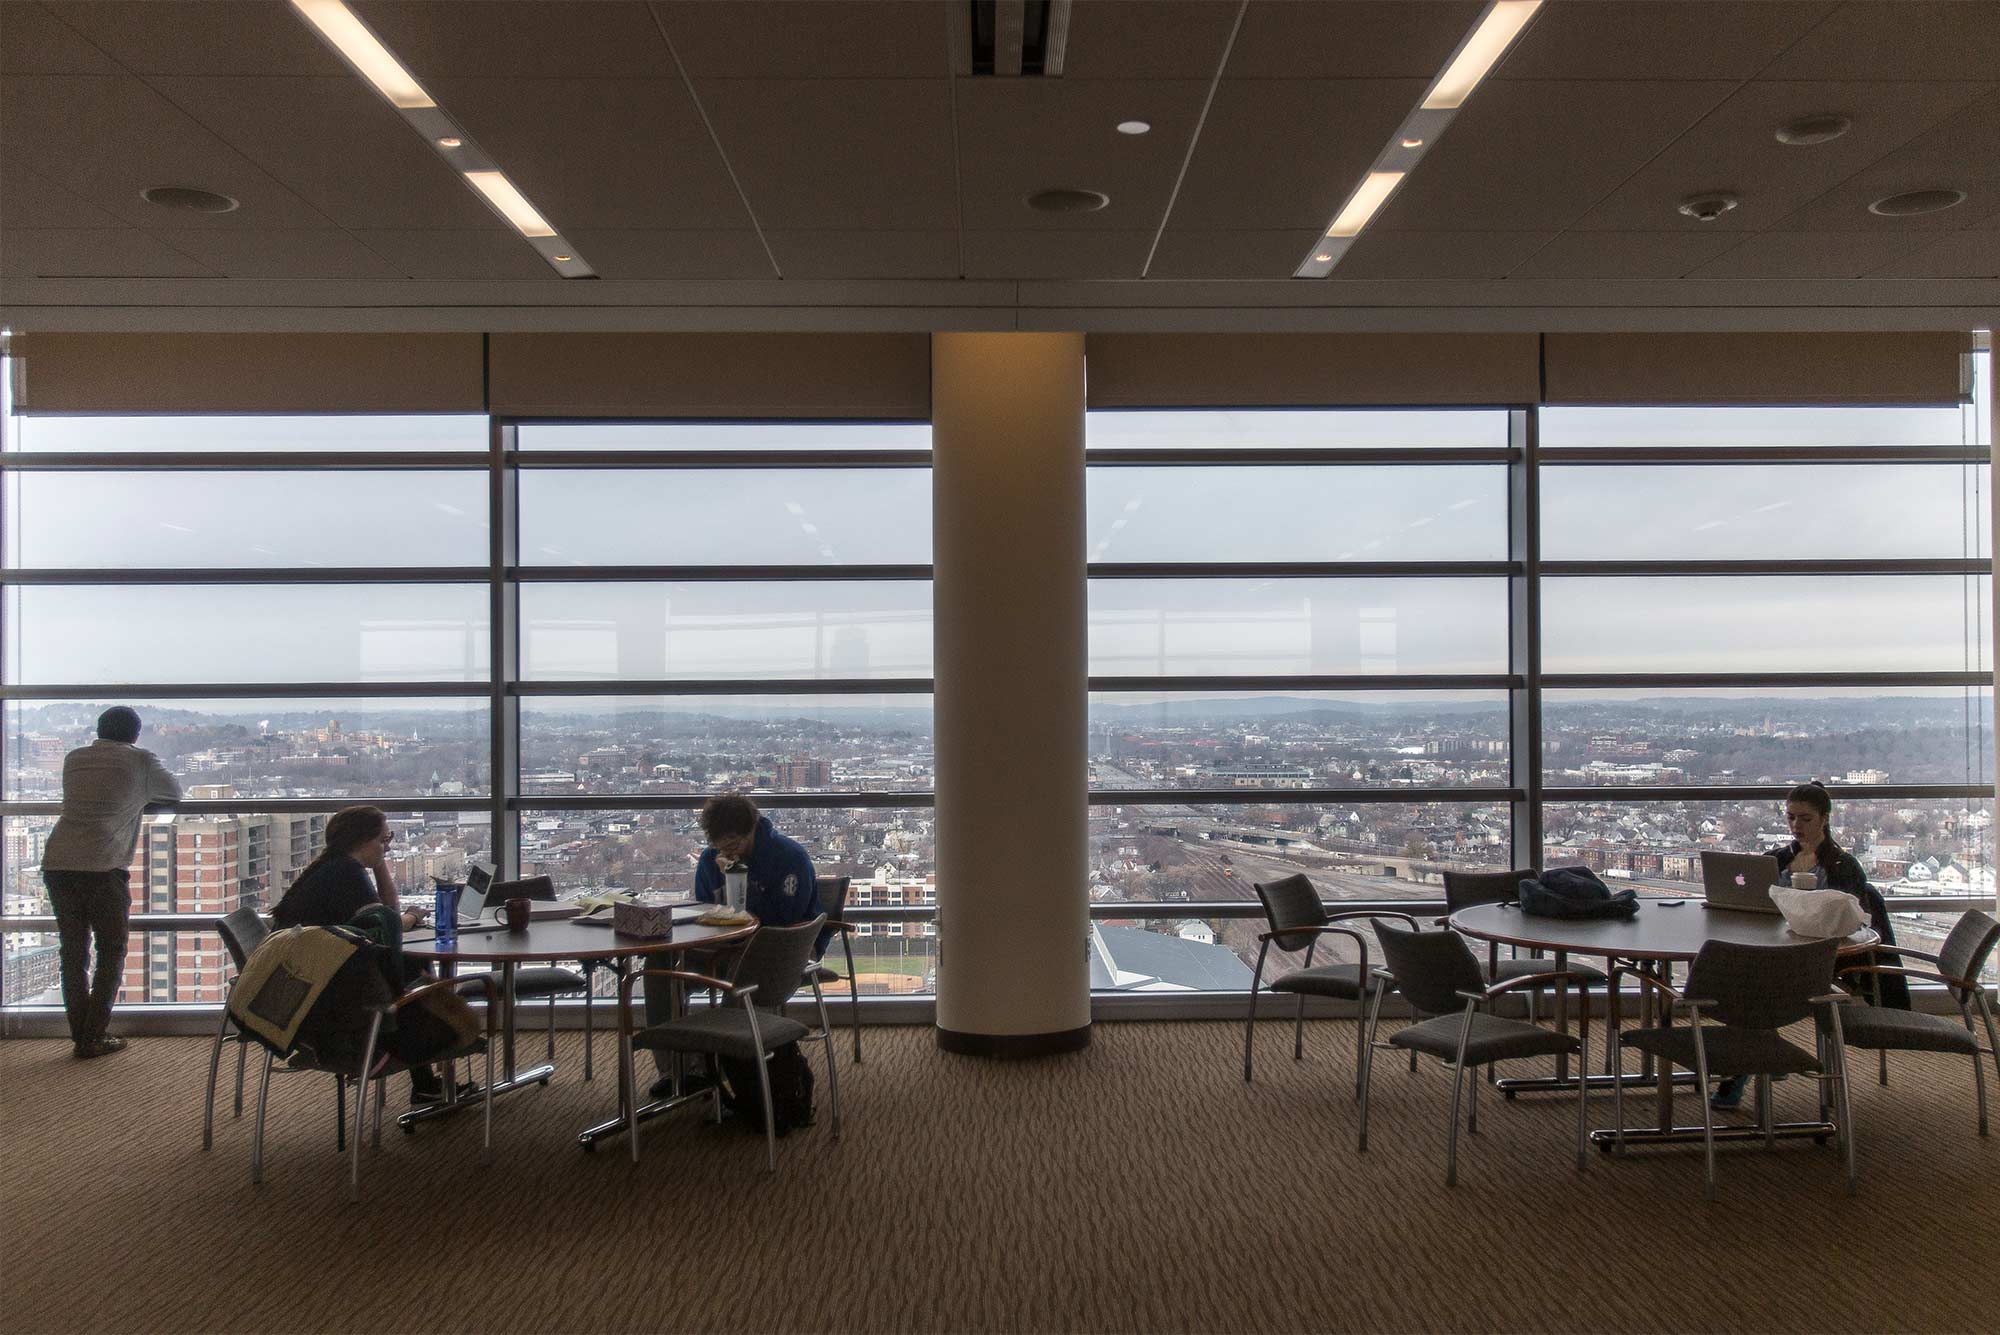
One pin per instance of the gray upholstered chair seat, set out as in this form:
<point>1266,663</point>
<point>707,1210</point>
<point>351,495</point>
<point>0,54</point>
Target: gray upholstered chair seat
<point>1511,969</point>
<point>1325,980</point>
<point>1881,1027</point>
<point>723,1031</point>
<point>1730,1050</point>
<point>546,980</point>
<point>1492,1039</point>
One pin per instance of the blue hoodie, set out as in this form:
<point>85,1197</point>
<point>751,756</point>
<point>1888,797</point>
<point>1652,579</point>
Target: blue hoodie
<point>782,886</point>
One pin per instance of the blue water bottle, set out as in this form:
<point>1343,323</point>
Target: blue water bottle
<point>444,918</point>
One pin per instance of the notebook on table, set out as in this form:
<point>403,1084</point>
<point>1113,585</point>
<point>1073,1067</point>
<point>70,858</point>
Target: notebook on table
<point>1739,881</point>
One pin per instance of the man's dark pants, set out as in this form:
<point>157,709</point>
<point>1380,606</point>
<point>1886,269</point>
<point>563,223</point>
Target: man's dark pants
<point>90,904</point>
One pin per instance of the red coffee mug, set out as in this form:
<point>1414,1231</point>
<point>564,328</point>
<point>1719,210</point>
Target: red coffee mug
<point>517,913</point>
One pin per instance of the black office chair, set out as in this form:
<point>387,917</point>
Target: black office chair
<point>546,980</point>
<point>242,932</point>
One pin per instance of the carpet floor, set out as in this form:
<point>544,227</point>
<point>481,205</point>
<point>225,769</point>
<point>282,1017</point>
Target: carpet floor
<point>1137,1186</point>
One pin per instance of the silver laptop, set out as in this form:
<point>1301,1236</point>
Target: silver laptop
<point>472,899</point>
<point>1739,881</point>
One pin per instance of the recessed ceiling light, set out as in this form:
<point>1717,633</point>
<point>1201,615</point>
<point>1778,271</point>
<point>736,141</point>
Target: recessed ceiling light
<point>1498,27</point>
<point>1324,259</point>
<point>1413,143</point>
<point>187,199</point>
<point>1708,207</point>
<point>450,141</point>
<point>510,203</point>
<point>364,50</point>
<point>1809,130</point>
<point>1134,127</point>
<point>562,259</point>
<point>1068,201</point>
<point>1913,202</point>
<point>1369,196</point>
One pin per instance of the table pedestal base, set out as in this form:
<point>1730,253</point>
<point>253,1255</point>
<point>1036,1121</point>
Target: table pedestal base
<point>534,1075</point>
<point>616,1126</point>
<point>1550,1084</point>
<point>1645,1136</point>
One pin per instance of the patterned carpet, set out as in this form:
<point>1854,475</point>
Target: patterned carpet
<point>1139,1185</point>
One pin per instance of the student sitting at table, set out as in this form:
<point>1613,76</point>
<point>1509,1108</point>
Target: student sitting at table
<point>349,884</point>
<point>782,888</point>
<point>1809,813</point>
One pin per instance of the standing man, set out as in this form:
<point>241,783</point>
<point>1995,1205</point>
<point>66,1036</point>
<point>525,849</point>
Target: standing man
<point>107,787</point>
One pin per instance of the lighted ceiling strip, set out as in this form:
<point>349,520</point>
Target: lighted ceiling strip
<point>342,30</point>
<point>1499,26</point>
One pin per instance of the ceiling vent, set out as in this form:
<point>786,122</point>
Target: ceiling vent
<point>1015,38</point>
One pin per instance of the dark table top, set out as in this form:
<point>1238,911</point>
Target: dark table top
<point>1659,931</point>
<point>569,939</point>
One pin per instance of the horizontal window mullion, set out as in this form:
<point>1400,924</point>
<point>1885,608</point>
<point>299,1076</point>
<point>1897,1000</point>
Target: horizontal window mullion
<point>1593,455</point>
<point>253,575</point>
<point>1850,792</point>
<point>616,802</point>
<point>1572,681</point>
<point>1279,797</point>
<point>610,686</point>
<point>1302,569</point>
<point>1476,681</point>
<point>255,460</point>
<point>311,690</point>
<point>1331,457</point>
<point>272,806</point>
<point>1883,566</point>
<point>713,574</point>
<point>1250,908</point>
<point>706,459</point>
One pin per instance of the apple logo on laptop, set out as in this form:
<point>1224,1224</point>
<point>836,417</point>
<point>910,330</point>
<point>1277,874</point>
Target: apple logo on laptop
<point>1740,880</point>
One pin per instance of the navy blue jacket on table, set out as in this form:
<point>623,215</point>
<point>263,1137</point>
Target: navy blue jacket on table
<point>1844,873</point>
<point>783,889</point>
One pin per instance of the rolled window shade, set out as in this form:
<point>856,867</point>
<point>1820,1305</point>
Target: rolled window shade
<point>1310,370</point>
<point>1857,368</point>
<point>250,373</point>
<point>856,376</point>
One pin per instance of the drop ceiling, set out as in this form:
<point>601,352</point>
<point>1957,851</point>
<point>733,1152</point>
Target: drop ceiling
<point>819,163</point>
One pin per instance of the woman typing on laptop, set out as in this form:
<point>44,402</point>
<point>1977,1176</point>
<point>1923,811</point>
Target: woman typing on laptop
<point>1813,852</point>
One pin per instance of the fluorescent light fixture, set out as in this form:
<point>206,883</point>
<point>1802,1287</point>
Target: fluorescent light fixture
<point>1374,190</point>
<point>1497,29</point>
<point>372,60</point>
<point>510,202</point>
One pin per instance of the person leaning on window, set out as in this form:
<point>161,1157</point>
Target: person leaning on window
<point>1812,850</point>
<point>107,787</point>
<point>350,880</point>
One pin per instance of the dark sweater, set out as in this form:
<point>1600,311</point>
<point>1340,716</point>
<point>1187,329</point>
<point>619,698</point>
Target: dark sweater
<point>327,895</point>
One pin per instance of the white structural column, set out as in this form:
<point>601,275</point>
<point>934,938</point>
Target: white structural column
<point>1012,704</point>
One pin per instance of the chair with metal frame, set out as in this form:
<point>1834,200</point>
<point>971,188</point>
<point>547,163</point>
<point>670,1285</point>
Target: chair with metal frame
<point>1438,974</point>
<point>1959,962</point>
<point>369,1070</point>
<point>1298,919</point>
<point>547,980</point>
<point>1468,889</point>
<point>767,971</point>
<point>242,931</point>
<point>1751,992</point>
<point>833,898</point>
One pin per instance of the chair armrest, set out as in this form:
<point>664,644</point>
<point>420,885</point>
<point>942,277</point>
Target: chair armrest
<point>1371,913</point>
<point>683,975</point>
<point>1306,931</point>
<point>1646,980</point>
<point>1926,975</point>
<point>1832,999</point>
<point>483,981</point>
<point>1906,950</point>
<point>1533,980</point>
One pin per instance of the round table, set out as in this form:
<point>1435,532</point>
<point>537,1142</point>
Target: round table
<point>583,940</point>
<point>1663,932</point>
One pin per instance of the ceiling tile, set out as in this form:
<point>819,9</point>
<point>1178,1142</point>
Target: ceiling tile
<point>1902,39</point>
<point>1148,39</point>
<point>1624,254</point>
<point>1359,39</point>
<point>338,146</point>
<point>1056,254</point>
<point>1735,148</point>
<point>836,39</point>
<point>1214,254</point>
<point>1646,39</point>
<point>634,253</point>
<point>607,39</point>
<point>107,139</point>
<point>876,254</point>
<point>1809,255</point>
<point>120,252</point>
<point>29,199</point>
<point>1528,155</point>
<point>1972,253</point>
<point>1017,136</point>
<point>456,253</point>
<point>1961,152</point>
<point>202,37</point>
<point>1282,153</point>
<point>34,41</point>
<point>1379,254</point>
<point>624,153</point>
<point>283,254</point>
<point>839,153</point>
